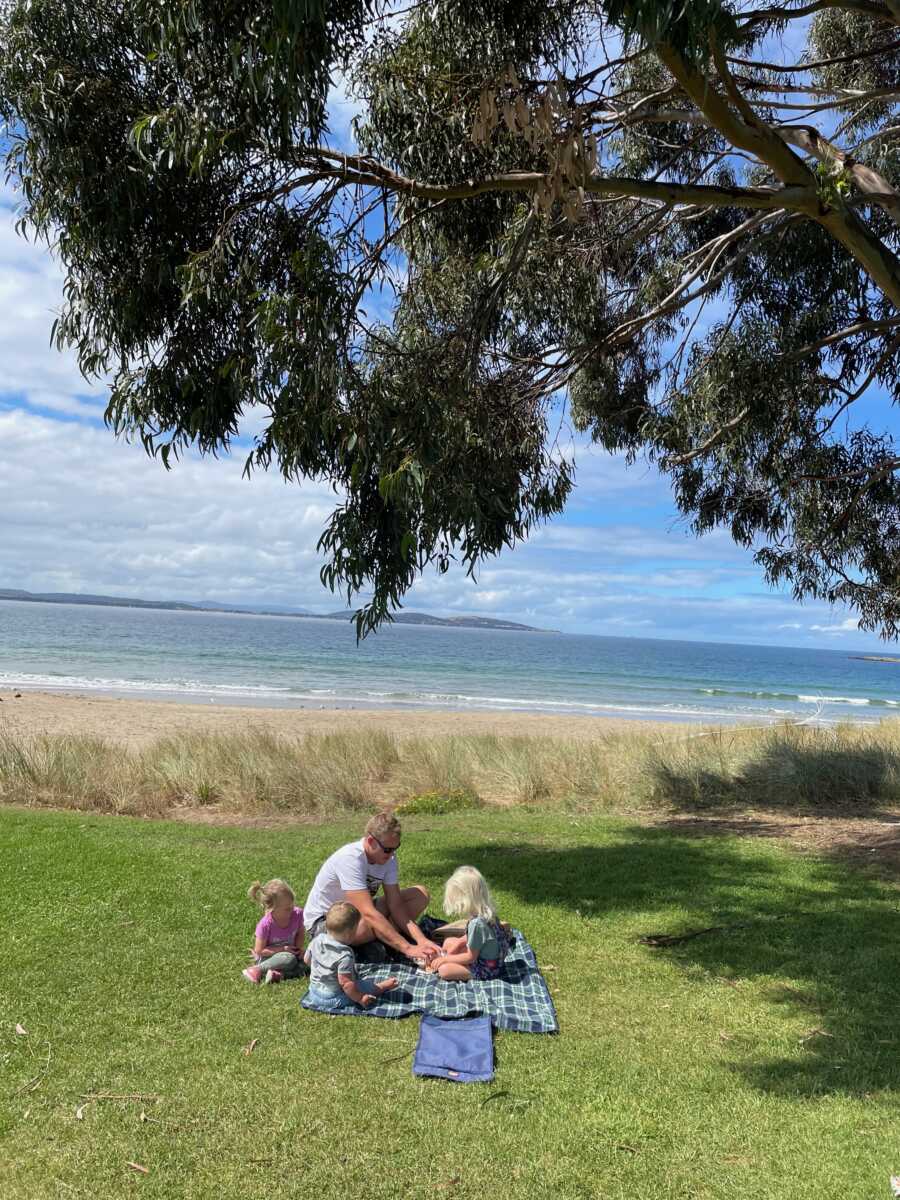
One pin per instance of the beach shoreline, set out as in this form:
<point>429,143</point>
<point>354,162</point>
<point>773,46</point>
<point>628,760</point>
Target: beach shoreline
<point>136,722</point>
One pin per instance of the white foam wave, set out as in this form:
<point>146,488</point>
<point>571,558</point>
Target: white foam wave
<point>340,697</point>
<point>189,687</point>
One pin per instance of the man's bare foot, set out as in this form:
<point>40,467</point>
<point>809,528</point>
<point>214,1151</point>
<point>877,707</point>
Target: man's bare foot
<point>387,985</point>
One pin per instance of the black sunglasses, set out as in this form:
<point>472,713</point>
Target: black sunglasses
<point>385,849</point>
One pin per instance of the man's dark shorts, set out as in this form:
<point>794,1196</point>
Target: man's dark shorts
<point>317,927</point>
<point>368,952</point>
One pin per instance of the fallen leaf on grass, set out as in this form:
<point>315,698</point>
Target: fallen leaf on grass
<point>250,1047</point>
<point>144,1119</point>
<point>815,1033</point>
<point>21,1031</point>
<point>550,967</point>
<point>38,1079</point>
<point>399,1058</point>
<point>95,1097</point>
<point>785,992</point>
<point>451,1182</point>
<point>630,1149</point>
<point>137,1167</point>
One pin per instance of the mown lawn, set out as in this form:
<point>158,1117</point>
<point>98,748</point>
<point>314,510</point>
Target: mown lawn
<point>759,1062</point>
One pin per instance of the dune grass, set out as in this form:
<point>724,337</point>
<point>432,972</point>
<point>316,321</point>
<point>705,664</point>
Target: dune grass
<point>760,1061</point>
<point>848,768</point>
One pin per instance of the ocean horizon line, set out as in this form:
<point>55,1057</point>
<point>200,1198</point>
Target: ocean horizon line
<point>504,625</point>
<point>245,658</point>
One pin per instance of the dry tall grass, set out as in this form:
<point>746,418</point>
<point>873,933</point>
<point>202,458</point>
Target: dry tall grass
<point>847,769</point>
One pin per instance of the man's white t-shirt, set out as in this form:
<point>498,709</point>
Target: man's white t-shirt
<point>347,870</point>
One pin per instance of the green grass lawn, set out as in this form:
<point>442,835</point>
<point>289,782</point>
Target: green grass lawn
<point>759,1062</point>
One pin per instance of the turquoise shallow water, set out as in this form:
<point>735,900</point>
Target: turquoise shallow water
<point>246,659</point>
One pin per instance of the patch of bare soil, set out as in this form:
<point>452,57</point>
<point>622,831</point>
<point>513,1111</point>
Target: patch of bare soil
<point>868,841</point>
<point>221,817</point>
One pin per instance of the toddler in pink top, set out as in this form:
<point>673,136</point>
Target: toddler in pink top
<point>278,945</point>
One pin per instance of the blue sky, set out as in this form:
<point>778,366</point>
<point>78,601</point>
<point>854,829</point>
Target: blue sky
<point>84,512</point>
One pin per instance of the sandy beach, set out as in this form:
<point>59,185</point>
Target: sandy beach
<point>138,722</point>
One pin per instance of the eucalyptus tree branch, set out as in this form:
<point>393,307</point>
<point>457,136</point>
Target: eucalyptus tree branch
<point>888,133</point>
<point>793,14</point>
<point>851,399</point>
<point>878,260</point>
<point>839,95</point>
<point>795,68</point>
<point>715,246</point>
<point>677,300</point>
<point>869,181</point>
<point>840,336</point>
<point>885,355</point>
<point>353,169</point>
<point>787,166</point>
<point>806,137</point>
<point>879,470</point>
<point>842,98</point>
<point>680,460</point>
<point>747,134</point>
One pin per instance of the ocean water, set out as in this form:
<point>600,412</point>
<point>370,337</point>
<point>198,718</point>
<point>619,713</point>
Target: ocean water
<point>287,661</point>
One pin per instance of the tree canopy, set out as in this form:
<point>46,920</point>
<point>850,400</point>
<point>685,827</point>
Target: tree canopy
<point>682,219</point>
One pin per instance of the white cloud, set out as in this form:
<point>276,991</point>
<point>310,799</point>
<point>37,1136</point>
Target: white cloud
<point>85,513</point>
<point>625,622</point>
<point>342,109</point>
<point>628,542</point>
<point>82,513</point>
<point>850,625</point>
<point>30,297</point>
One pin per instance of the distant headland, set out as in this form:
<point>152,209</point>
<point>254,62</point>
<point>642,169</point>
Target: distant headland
<point>401,618</point>
<point>874,658</point>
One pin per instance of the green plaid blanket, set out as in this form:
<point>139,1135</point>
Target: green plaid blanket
<point>518,1000</point>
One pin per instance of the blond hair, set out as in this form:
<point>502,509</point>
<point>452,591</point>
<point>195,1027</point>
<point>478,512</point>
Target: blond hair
<point>466,894</point>
<point>342,919</point>
<point>382,824</point>
<point>267,895</point>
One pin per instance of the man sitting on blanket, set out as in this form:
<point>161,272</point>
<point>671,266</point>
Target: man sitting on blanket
<point>355,873</point>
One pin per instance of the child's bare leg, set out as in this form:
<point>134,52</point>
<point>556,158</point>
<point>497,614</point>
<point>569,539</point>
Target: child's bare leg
<point>454,972</point>
<point>386,984</point>
<point>453,945</point>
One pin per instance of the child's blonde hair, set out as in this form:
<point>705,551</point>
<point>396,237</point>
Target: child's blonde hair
<point>267,895</point>
<point>466,894</point>
<point>342,919</point>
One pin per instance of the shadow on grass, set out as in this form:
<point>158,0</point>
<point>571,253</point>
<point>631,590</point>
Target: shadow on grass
<point>787,771</point>
<point>831,935</point>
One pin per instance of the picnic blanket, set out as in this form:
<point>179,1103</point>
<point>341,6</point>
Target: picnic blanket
<point>519,1000</point>
<point>461,1051</point>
